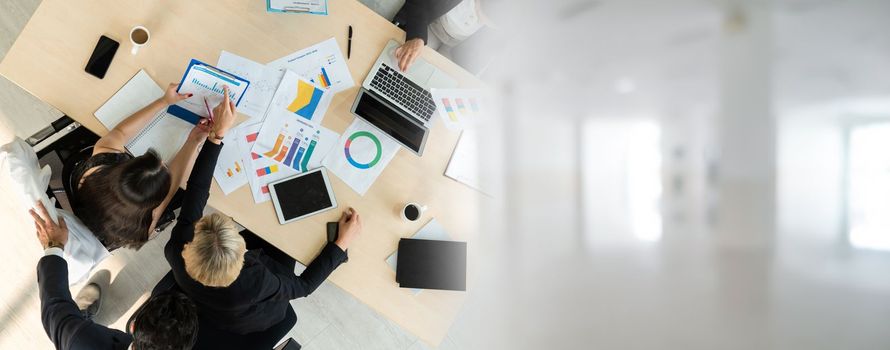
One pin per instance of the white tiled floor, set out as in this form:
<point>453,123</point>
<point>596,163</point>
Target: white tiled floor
<point>328,319</point>
<point>20,111</point>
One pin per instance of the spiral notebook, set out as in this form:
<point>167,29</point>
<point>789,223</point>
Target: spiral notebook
<point>165,133</point>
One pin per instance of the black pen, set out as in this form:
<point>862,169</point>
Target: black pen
<point>349,44</point>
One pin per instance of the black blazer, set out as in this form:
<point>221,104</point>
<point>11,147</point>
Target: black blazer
<point>62,320</point>
<point>259,297</point>
<point>416,15</point>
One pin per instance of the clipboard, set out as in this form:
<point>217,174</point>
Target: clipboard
<point>193,109</point>
<point>299,6</point>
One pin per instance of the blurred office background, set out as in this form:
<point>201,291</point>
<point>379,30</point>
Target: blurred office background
<point>690,175</point>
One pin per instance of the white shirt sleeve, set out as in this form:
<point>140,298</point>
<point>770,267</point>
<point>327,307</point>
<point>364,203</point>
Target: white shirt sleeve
<point>53,251</point>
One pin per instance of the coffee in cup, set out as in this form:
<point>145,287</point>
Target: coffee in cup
<point>413,211</point>
<point>139,37</point>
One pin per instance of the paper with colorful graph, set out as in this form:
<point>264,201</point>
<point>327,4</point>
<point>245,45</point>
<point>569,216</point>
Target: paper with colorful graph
<point>460,108</point>
<point>322,64</point>
<point>260,171</point>
<point>298,99</point>
<point>291,131</point>
<point>230,172</point>
<point>361,155</point>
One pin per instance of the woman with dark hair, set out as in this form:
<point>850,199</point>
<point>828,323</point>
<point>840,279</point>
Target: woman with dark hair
<point>121,197</point>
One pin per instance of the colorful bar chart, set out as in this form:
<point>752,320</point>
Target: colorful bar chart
<point>276,147</point>
<point>323,79</point>
<point>230,172</point>
<point>449,109</point>
<point>460,106</point>
<point>282,152</point>
<point>290,154</point>
<point>267,170</point>
<point>304,165</point>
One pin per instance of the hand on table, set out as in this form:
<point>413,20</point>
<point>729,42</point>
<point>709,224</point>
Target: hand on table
<point>171,96</point>
<point>48,232</point>
<point>223,117</point>
<point>350,228</point>
<point>408,53</point>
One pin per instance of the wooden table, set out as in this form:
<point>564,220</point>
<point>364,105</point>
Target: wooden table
<point>48,58</point>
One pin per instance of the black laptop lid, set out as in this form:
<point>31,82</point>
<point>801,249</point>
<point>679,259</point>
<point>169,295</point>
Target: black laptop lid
<point>388,119</point>
<point>432,264</point>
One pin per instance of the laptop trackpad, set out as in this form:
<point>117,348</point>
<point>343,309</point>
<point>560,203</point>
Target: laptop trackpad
<point>440,80</point>
<point>420,72</point>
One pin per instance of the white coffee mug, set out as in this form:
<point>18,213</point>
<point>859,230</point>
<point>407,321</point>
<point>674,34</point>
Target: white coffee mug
<point>413,211</point>
<point>139,37</point>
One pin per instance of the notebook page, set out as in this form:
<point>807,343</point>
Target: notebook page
<point>165,134</point>
<point>138,92</point>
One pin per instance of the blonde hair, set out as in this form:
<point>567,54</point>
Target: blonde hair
<point>215,255</point>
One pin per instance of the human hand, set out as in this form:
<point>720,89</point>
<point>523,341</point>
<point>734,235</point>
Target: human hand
<point>223,116</point>
<point>48,232</point>
<point>200,131</point>
<point>350,228</point>
<point>171,96</point>
<point>408,53</point>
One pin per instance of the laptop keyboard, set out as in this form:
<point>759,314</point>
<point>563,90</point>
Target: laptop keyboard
<point>390,82</point>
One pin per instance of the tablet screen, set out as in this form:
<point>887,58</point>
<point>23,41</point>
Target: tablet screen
<point>302,195</point>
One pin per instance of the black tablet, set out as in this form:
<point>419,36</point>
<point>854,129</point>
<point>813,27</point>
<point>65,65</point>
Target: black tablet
<point>302,195</point>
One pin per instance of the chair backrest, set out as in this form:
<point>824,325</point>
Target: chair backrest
<point>68,170</point>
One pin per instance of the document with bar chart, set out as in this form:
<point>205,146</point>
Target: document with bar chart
<point>322,64</point>
<point>292,121</point>
<point>204,81</point>
<point>230,173</point>
<point>460,108</point>
<point>260,170</point>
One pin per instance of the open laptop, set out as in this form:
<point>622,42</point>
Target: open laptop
<point>399,103</point>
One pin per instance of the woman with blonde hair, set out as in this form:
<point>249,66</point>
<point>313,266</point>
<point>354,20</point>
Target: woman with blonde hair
<point>240,283</point>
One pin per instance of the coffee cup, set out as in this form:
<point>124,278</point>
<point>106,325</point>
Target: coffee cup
<point>139,37</point>
<point>413,211</point>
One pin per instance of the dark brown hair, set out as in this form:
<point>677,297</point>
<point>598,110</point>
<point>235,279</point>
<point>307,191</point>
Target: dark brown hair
<point>116,201</point>
<point>168,320</point>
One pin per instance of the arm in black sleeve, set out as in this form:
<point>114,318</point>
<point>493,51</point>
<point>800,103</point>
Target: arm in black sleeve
<point>416,15</point>
<point>287,286</point>
<point>196,193</point>
<point>60,315</point>
<point>413,18</point>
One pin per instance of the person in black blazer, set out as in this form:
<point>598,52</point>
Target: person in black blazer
<point>415,18</point>
<point>237,288</point>
<point>166,321</point>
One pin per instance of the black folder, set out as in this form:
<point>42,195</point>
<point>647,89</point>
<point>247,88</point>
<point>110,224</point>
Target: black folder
<point>290,344</point>
<point>431,264</point>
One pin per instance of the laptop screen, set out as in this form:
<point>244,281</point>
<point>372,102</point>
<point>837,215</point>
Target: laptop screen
<point>386,118</point>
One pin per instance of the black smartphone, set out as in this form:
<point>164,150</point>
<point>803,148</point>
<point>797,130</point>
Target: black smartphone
<point>101,57</point>
<point>334,233</point>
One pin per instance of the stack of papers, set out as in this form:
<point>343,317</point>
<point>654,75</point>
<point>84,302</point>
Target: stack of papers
<point>287,101</point>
